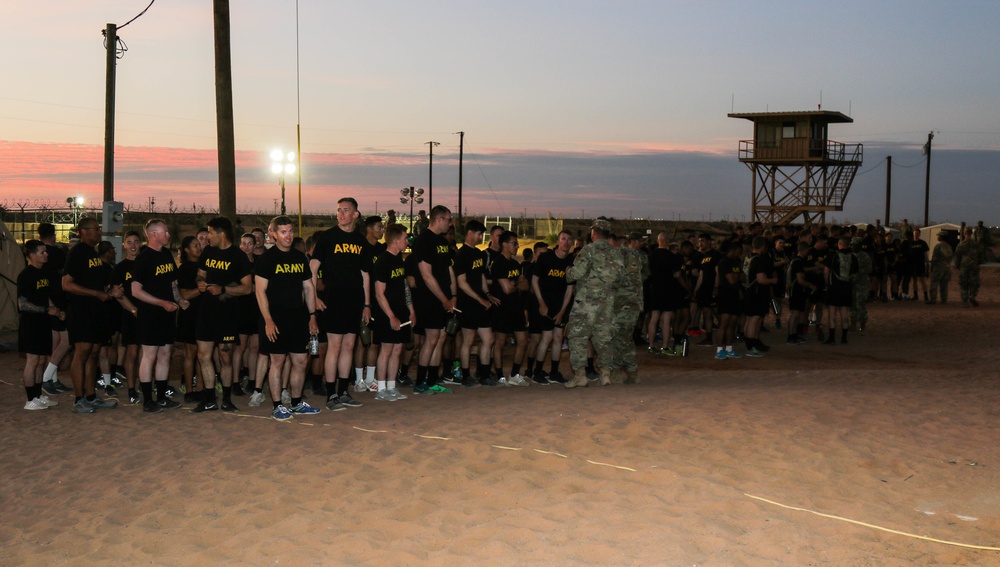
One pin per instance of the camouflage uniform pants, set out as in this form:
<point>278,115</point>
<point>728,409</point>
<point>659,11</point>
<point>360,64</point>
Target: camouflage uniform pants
<point>859,304</point>
<point>939,280</point>
<point>623,346</point>
<point>968,280</point>
<point>590,321</point>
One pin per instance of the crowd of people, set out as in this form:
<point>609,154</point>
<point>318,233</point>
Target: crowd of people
<point>348,309</point>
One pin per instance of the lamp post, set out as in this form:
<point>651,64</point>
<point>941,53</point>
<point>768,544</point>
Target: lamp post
<point>75,204</point>
<point>282,163</point>
<point>411,195</point>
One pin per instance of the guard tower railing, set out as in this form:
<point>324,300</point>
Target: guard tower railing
<point>831,151</point>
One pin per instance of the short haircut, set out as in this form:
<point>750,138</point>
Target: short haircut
<point>539,245</point>
<point>688,244</point>
<point>527,254</point>
<point>439,211</point>
<point>104,246</point>
<point>394,231</point>
<point>475,226</point>
<point>507,236</point>
<point>280,220</point>
<point>223,225</point>
<point>567,233</point>
<point>372,221</point>
<point>705,236</point>
<point>758,242</point>
<point>32,246</point>
<point>495,228</point>
<point>351,200</point>
<point>46,230</point>
<point>151,223</point>
<point>134,233</point>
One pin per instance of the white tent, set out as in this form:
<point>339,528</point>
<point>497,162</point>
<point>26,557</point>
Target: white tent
<point>929,234</point>
<point>11,264</point>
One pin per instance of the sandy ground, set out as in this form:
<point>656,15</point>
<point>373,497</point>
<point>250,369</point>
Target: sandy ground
<point>897,430</point>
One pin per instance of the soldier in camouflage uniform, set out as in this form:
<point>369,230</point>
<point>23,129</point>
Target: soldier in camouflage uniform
<point>968,255</point>
<point>862,285</point>
<point>628,307</point>
<point>940,269</point>
<point>597,271</point>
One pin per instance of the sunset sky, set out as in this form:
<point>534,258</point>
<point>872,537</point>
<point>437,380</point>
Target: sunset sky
<point>569,107</point>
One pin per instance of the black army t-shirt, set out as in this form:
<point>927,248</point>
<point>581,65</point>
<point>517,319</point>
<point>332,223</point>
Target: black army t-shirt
<point>389,269</point>
<point>551,273</point>
<point>223,267</point>
<point>156,271</point>
<point>343,256</point>
<point>285,273</point>
<point>471,261</point>
<point>433,249</point>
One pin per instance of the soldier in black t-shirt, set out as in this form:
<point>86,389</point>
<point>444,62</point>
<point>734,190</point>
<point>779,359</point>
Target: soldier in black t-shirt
<point>476,305</point>
<point>799,290</point>
<point>510,317</point>
<point>728,291</point>
<point>223,275</point>
<point>187,319</point>
<point>760,278</point>
<point>365,356</point>
<point>918,261</point>
<point>55,267</point>
<point>393,312</point>
<point>287,301</point>
<point>34,332</point>
<point>704,286</point>
<point>554,296</point>
<point>154,289</point>
<point>87,284</point>
<point>345,303</point>
<point>435,297</point>
<point>122,276</point>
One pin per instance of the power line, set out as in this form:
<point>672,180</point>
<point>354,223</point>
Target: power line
<point>137,15</point>
<point>488,184</point>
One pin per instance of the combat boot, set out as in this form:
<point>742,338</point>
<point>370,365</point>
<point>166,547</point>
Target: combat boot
<point>631,376</point>
<point>605,376</point>
<point>579,379</point>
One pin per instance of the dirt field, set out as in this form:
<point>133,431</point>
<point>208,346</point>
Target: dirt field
<point>880,447</point>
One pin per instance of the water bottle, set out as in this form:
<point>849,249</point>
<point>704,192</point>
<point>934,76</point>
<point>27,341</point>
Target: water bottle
<point>366,334</point>
<point>313,345</point>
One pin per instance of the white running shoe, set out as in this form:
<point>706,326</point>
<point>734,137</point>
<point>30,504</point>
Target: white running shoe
<point>372,386</point>
<point>360,386</point>
<point>385,396</point>
<point>45,400</point>
<point>256,399</point>
<point>501,381</point>
<point>286,397</point>
<point>517,380</point>
<point>396,394</point>
<point>35,404</point>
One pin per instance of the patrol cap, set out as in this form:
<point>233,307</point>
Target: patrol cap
<point>636,235</point>
<point>601,224</point>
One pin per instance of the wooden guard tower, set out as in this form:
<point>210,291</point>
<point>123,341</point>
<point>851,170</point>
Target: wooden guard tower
<point>796,170</point>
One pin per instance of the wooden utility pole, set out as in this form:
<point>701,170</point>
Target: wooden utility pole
<point>927,180</point>
<point>224,111</point>
<point>111,43</point>
<point>888,188</point>
<point>461,150</point>
<point>430,176</point>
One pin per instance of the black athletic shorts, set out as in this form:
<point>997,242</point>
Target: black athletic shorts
<point>797,298</point>
<point>293,334</point>
<point>704,297</point>
<point>87,321</point>
<point>430,312</point>
<point>729,304</point>
<point>840,296</point>
<point>157,326</point>
<point>817,296</point>
<point>919,269</point>
<point>249,314</point>
<point>756,305</point>
<point>509,320</point>
<point>474,315</point>
<point>382,333</point>
<point>218,322</point>
<point>343,314</point>
<point>187,323</point>
<point>130,329</point>
<point>34,334</point>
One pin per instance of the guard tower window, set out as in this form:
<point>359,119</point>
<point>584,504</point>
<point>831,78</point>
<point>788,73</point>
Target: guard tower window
<point>788,130</point>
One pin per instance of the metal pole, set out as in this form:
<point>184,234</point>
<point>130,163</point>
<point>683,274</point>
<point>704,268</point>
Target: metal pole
<point>888,188</point>
<point>282,195</point>
<point>411,209</point>
<point>298,116</point>
<point>927,181</point>
<point>430,176</point>
<point>111,38</point>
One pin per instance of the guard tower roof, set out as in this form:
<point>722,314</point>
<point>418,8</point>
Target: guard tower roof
<point>829,116</point>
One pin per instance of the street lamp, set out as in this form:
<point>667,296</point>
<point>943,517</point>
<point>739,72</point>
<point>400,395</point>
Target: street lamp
<point>282,163</point>
<point>75,205</point>
<point>411,195</point>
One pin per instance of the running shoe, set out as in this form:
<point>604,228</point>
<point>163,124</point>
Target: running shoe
<point>83,407</point>
<point>50,388</point>
<point>733,354</point>
<point>469,382</point>
<point>423,389</point>
<point>385,396</point>
<point>350,402</point>
<point>167,403</point>
<point>118,378</point>
<point>205,406</point>
<point>134,398</point>
<point>228,406</point>
<point>237,389</point>
<point>62,387</point>
<point>439,389</point>
<point>540,379</point>
<point>396,394</point>
<point>517,380</point>
<point>557,377</point>
<point>286,397</point>
<point>151,407</point>
<point>303,409</point>
<point>754,352</point>
<point>281,413</point>
<point>371,386</point>
<point>102,403</point>
<point>721,355</point>
<point>34,405</point>
<point>45,400</point>
<point>404,380</point>
<point>502,381</point>
<point>360,386</point>
<point>256,399</point>
<point>333,404</point>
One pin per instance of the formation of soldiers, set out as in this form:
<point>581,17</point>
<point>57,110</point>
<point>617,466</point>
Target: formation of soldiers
<point>303,314</point>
